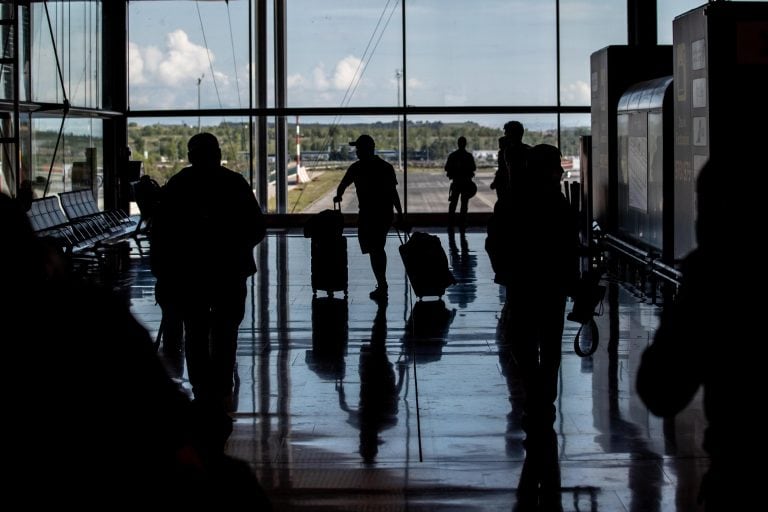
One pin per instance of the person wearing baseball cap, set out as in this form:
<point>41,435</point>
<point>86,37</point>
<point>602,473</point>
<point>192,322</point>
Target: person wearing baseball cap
<point>376,187</point>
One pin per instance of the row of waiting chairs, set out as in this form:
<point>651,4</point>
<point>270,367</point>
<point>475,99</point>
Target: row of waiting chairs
<point>74,222</point>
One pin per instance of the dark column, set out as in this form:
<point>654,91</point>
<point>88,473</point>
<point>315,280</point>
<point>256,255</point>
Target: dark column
<point>115,98</point>
<point>641,23</point>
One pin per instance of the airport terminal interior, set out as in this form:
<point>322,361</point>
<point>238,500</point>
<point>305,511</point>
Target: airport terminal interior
<point>415,403</point>
<point>446,433</point>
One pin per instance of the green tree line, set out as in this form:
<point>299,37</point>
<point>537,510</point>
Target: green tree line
<point>162,147</point>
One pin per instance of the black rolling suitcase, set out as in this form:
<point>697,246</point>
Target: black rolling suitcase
<point>426,264</point>
<point>328,252</point>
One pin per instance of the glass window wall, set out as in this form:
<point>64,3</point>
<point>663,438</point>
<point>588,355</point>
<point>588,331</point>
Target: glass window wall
<point>432,138</point>
<point>161,143</point>
<point>68,160</point>
<point>67,36</point>
<point>343,53</point>
<point>188,55</point>
<point>481,53</point>
<point>586,26</point>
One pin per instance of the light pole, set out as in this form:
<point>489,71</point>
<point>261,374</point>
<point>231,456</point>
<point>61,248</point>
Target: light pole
<point>398,76</point>
<point>198,101</point>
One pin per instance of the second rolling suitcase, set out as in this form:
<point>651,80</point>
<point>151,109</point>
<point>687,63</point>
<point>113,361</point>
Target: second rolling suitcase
<point>426,264</point>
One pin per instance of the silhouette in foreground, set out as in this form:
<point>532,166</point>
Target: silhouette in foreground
<point>203,234</point>
<point>460,169</point>
<point>538,277</point>
<point>706,336</point>
<point>511,161</point>
<point>94,417</point>
<point>376,188</point>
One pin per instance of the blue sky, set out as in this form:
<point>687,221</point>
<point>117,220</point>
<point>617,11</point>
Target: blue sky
<point>460,52</point>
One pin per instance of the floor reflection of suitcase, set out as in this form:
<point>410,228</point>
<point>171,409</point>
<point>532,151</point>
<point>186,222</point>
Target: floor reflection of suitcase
<point>426,264</point>
<point>426,330</point>
<point>330,334</point>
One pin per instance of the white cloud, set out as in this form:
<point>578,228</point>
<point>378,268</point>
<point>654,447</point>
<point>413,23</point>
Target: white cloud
<point>343,74</point>
<point>319,79</point>
<point>135,65</point>
<point>181,60</point>
<point>347,70</point>
<point>184,60</point>
<point>576,93</point>
<point>295,80</point>
<point>415,83</point>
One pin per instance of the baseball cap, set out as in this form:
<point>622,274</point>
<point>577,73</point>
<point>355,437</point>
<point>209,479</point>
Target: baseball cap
<point>363,141</point>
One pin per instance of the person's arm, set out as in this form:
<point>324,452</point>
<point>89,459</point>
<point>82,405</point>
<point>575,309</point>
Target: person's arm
<point>343,184</point>
<point>449,166</point>
<point>396,203</point>
<point>250,212</point>
<point>259,223</point>
<point>400,221</point>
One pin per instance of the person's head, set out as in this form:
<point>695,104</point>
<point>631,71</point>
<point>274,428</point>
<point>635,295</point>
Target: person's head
<point>544,164</point>
<point>203,150</point>
<point>726,208</point>
<point>364,145</point>
<point>514,131</point>
<point>462,142</point>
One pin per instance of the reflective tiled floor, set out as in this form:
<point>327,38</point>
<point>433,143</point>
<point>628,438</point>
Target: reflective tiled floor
<point>346,406</point>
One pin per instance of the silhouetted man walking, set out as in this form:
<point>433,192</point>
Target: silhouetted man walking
<point>376,187</point>
<point>203,235</point>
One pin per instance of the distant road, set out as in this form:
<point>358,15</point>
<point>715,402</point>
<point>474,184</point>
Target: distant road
<point>427,192</point>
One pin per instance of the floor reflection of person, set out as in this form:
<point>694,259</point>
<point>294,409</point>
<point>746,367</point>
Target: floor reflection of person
<point>379,389</point>
<point>514,435</point>
<point>463,264</point>
<point>539,485</point>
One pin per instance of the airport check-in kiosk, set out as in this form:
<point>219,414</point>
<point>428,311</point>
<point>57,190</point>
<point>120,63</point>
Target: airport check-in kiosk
<point>645,155</point>
<point>721,97</point>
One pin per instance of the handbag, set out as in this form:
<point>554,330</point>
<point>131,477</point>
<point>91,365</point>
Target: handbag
<point>587,303</point>
<point>587,339</point>
<point>587,297</point>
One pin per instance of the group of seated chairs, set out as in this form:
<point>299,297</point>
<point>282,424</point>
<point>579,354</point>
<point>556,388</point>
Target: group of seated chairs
<point>73,222</point>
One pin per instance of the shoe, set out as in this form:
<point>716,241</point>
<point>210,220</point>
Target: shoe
<point>379,294</point>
